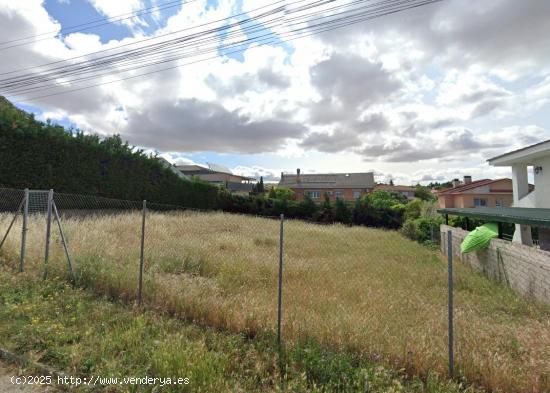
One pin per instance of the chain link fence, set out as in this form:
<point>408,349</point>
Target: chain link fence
<point>366,291</point>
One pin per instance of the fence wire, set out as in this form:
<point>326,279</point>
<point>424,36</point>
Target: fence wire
<point>10,199</point>
<point>370,292</point>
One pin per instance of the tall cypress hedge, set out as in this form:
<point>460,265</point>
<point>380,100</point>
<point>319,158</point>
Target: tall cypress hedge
<point>41,155</point>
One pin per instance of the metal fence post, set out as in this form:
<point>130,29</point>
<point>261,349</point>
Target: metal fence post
<point>280,298</point>
<point>48,232</point>
<point>12,222</point>
<point>140,284</point>
<point>64,242</point>
<point>24,230</point>
<point>450,295</point>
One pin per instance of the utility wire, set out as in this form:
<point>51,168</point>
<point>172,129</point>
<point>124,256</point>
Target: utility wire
<point>159,48</point>
<point>384,8</point>
<point>179,54</point>
<point>90,25</point>
<point>152,49</point>
<point>146,39</point>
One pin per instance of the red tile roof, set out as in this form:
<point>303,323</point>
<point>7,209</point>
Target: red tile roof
<point>466,187</point>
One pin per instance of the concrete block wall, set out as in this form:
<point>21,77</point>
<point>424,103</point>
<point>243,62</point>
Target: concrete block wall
<point>524,269</point>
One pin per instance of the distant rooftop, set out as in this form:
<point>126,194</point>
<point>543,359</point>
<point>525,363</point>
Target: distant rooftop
<point>523,155</point>
<point>328,180</point>
<point>389,187</point>
<point>197,169</point>
<point>465,187</point>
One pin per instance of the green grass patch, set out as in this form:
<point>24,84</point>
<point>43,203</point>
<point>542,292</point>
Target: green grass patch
<point>82,334</point>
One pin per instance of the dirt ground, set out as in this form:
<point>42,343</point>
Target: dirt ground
<point>7,371</point>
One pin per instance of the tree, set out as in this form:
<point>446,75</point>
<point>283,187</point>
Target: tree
<point>258,188</point>
<point>423,193</point>
<point>307,208</point>
<point>281,193</point>
<point>342,212</point>
<point>326,214</point>
<point>384,209</point>
<point>391,182</point>
<point>440,186</point>
<point>413,209</point>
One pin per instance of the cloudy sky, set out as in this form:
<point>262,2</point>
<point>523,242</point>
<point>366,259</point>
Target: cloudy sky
<point>425,94</point>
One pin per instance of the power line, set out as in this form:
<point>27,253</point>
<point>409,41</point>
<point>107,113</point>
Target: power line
<point>91,24</point>
<point>362,13</point>
<point>157,48</point>
<point>362,17</point>
<point>147,51</point>
<point>146,39</point>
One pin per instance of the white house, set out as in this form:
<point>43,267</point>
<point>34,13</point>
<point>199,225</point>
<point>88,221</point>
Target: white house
<point>538,157</point>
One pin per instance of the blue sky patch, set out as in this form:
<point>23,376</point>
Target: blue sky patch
<point>78,12</point>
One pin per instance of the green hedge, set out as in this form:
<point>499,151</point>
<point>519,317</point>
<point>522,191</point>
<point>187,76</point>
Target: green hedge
<point>41,155</point>
<point>378,209</point>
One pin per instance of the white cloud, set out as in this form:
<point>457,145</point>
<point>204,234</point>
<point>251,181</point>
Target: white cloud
<point>120,10</point>
<point>412,93</point>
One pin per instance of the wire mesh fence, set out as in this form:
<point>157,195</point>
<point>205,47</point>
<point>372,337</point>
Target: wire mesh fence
<point>362,290</point>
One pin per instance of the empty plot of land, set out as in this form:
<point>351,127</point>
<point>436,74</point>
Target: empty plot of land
<point>352,289</point>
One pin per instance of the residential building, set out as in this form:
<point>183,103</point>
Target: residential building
<point>479,193</point>
<point>406,191</point>
<point>219,175</point>
<point>346,186</point>
<point>536,157</point>
<point>165,163</point>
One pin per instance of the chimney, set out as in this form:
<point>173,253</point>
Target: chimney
<point>456,182</point>
<point>282,174</point>
<point>467,179</point>
<point>298,175</point>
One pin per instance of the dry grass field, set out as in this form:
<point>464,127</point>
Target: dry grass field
<point>357,289</point>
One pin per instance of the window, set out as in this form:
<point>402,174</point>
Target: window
<point>329,193</point>
<point>314,194</point>
<point>498,202</point>
<point>339,194</point>
<point>356,194</point>
<point>478,202</point>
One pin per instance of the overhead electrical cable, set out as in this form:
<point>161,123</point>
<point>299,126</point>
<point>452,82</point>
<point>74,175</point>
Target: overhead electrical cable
<point>90,25</point>
<point>267,28</point>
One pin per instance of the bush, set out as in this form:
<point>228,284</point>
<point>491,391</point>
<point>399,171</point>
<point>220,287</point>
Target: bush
<point>342,212</point>
<point>422,221</point>
<point>281,193</point>
<point>413,209</point>
<point>43,155</point>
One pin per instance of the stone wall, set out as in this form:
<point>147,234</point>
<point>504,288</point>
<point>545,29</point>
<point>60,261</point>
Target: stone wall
<point>524,269</point>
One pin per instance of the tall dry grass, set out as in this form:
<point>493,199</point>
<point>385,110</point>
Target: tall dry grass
<point>354,289</point>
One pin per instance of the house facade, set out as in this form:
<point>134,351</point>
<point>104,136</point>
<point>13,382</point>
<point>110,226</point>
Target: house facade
<point>219,175</point>
<point>345,186</point>
<point>536,158</point>
<point>479,193</point>
<point>406,191</point>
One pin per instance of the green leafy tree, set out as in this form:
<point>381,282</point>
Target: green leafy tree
<point>423,193</point>
<point>281,193</point>
<point>307,208</point>
<point>413,209</point>
<point>326,213</point>
<point>342,212</point>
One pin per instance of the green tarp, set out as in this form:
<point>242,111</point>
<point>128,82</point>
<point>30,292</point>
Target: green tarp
<point>479,238</point>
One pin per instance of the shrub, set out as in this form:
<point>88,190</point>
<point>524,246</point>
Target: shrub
<point>43,155</point>
<point>342,212</point>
